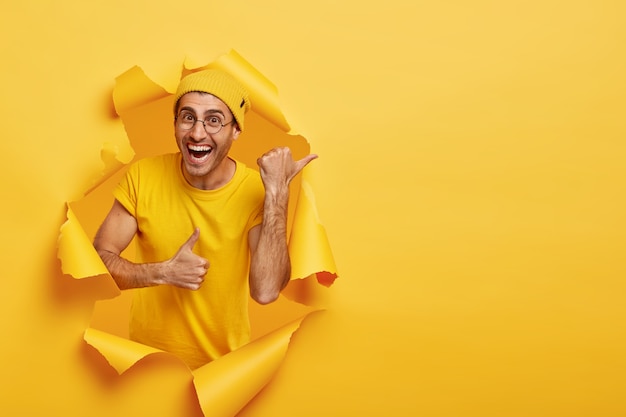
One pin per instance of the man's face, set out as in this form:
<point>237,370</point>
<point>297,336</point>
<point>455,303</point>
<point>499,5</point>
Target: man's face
<point>204,155</point>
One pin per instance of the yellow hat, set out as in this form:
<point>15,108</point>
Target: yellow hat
<point>220,85</point>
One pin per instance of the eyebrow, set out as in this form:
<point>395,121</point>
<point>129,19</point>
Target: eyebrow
<point>208,112</point>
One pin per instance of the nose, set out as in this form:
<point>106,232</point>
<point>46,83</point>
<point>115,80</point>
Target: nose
<point>198,131</point>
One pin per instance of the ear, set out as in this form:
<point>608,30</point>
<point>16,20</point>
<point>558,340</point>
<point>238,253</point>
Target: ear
<point>236,132</point>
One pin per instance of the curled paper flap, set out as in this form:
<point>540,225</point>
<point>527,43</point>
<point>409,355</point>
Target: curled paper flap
<point>308,241</point>
<point>119,352</point>
<point>78,257</point>
<point>133,89</point>
<point>223,386</point>
<point>227,384</point>
<point>307,291</point>
<point>263,94</point>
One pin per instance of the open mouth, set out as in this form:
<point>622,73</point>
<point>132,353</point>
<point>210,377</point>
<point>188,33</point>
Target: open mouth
<point>199,153</point>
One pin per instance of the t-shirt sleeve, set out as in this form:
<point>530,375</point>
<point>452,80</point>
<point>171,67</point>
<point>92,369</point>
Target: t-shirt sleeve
<point>257,196</point>
<point>257,217</point>
<point>126,190</point>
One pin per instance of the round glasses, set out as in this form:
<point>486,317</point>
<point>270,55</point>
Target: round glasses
<point>212,124</point>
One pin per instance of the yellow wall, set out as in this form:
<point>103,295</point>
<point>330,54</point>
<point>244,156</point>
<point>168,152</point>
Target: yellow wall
<point>471,181</point>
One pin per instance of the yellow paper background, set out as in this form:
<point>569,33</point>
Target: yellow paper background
<point>471,180</point>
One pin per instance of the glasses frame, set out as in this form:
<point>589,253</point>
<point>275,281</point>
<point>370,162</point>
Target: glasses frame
<point>203,121</point>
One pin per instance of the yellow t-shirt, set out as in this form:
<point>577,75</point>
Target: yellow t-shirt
<point>197,326</point>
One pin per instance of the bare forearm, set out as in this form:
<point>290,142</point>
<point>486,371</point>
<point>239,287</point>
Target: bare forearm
<point>129,275</point>
<point>270,268</point>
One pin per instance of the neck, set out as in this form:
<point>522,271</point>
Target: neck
<point>216,178</point>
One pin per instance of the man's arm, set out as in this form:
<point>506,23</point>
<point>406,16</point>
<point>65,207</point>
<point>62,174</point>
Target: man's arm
<point>185,269</point>
<point>270,266</point>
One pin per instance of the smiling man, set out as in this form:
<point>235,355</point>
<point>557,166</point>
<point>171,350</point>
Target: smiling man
<point>209,229</point>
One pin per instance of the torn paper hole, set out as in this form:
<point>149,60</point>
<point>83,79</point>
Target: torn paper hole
<point>137,101</point>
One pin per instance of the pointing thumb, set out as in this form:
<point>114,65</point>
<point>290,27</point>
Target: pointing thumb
<point>304,162</point>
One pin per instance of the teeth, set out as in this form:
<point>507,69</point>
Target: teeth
<point>199,148</point>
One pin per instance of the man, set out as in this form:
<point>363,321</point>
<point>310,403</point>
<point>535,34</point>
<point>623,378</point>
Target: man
<point>209,229</point>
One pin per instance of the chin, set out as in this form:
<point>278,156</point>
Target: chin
<point>197,171</point>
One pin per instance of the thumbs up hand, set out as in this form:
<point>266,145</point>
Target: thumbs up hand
<point>186,269</point>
